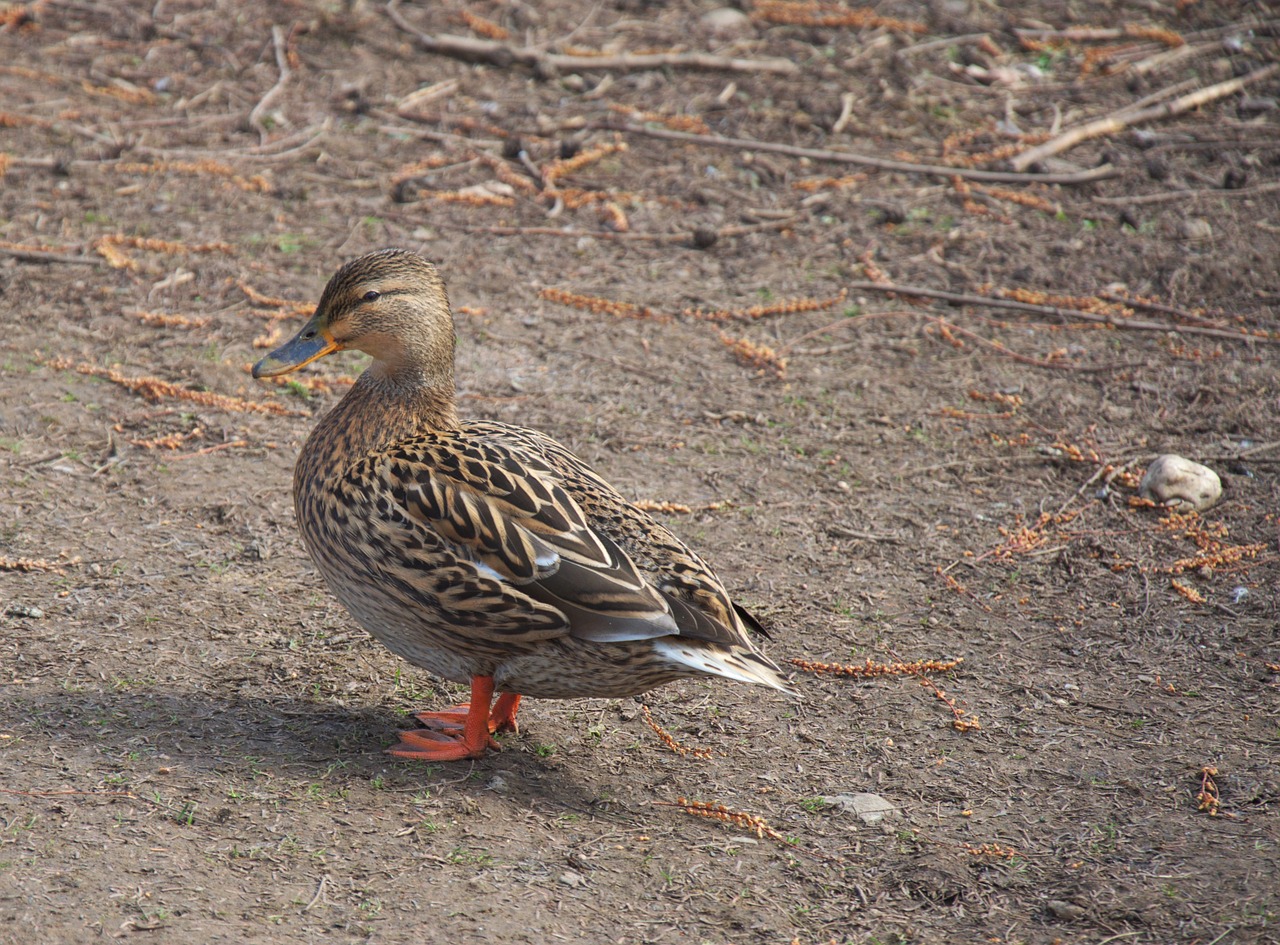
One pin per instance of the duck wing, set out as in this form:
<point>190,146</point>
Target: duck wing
<point>503,509</point>
<point>690,589</point>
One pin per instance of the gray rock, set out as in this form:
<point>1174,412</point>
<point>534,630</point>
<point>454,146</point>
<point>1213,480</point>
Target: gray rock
<point>869,808</point>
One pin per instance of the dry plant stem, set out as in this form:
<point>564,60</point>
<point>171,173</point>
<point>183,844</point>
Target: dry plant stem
<point>25,565</point>
<point>945,43</point>
<point>502,55</point>
<point>849,157</point>
<point>669,740</point>
<point>870,670</point>
<point>280,150</point>
<point>156,390</point>
<point>1188,317</point>
<point>726,232</point>
<point>282,62</point>
<point>1209,798</point>
<point>1171,195</point>
<point>41,256</point>
<point>751,822</point>
<point>234,444</point>
<point>320,887</point>
<point>1079,34</point>
<point>1126,117</point>
<point>945,325</point>
<point>1129,324</point>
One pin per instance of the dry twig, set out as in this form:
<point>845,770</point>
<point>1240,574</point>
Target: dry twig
<point>155,389</point>
<point>1209,798</point>
<point>751,822</point>
<point>849,157</point>
<point>26,565</point>
<point>282,63</point>
<point>871,670</point>
<point>36,254</point>
<point>1131,324</point>
<point>669,740</point>
<point>504,56</point>
<point>1125,117</point>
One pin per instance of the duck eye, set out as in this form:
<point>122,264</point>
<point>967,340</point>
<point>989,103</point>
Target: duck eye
<point>371,295</point>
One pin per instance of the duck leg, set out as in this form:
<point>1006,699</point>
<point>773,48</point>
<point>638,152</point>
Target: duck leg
<point>502,718</point>
<point>461,732</point>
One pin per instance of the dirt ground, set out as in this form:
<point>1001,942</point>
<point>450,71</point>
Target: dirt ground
<point>191,728</point>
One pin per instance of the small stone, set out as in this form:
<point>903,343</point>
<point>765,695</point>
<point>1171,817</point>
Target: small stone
<point>1195,228</point>
<point>572,879</point>
<point>726,21</point>
<point>1061,909</point>
<point>869,808</point>
<point>1178,483</point>
<point>23,610</point>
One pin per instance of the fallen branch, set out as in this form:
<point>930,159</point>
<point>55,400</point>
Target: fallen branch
<point>282,62</point>
<point>1190,318</point>
<point>1131,324</point>
<point>1092,34</point>
<point>234,444</point>
<point>44,256</point>
<point>504,56</point>
<point>694,237</point>
<point>1126,117</point>
<point>155,390</point>
<point>950,327</point>
<point>849,157</point>
<point>1165,196</point>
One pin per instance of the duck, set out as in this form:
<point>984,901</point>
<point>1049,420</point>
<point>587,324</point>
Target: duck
<point>488,554</point>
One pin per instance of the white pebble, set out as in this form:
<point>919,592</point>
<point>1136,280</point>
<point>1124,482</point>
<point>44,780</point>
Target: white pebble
<point>726,21</point>
<point>1177,482</point>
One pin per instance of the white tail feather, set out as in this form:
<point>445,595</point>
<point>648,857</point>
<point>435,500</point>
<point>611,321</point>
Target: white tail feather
<point>713,661</point>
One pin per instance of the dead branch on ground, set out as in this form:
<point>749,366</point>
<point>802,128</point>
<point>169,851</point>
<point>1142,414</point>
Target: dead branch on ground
<point>1130,324</point>
<point>849,157</point>
<point>1128,116</point>
<point>504,56</point>
<point>282,62</point>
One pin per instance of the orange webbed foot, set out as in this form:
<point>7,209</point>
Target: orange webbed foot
<point>465,731</point>
<point>501,719</point>
<point>446,720</point>
<point>426,745</point>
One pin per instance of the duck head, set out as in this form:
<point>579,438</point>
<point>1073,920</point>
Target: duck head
<point>393,306</point>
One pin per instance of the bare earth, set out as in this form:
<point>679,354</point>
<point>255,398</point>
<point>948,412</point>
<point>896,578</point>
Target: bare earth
<point>192,730</point>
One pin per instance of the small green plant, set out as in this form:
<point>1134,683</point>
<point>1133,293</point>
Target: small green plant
<point>290,243</point>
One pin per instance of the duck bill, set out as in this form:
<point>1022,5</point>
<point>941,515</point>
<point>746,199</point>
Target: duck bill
<point>308,345</point>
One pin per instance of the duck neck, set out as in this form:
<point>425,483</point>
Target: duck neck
<point>385,406</point>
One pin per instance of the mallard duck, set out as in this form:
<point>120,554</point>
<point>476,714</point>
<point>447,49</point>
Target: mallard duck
<point>486,553</point>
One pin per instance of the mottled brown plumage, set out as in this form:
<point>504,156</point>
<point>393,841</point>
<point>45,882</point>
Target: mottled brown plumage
<point>481,551</point>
